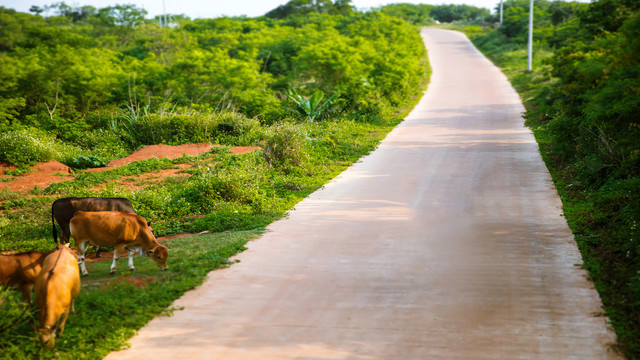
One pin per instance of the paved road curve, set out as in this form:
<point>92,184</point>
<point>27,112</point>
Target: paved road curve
<point>446,243</point>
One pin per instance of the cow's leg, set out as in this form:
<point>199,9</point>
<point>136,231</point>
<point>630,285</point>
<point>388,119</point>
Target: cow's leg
<point>131,267</point>
<point>65,233</point>
<point>116,253</point>
<point>26,290</point>
<point>63,321</point>
<point>82,247</point>
<point>98,255</point>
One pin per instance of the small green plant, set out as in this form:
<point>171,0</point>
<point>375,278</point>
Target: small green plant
<point>220,150</point>
<point>86,162</point>
<point>19,171</point>
<point>312,107</point>
<point>284,147</point>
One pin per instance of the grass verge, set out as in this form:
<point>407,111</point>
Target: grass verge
<point>110,309</point>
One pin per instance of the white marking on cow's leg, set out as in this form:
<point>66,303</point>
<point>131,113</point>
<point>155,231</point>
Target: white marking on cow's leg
<point>116,254</point>
<point>83,268</point>
<point>131,267</point>
<point>82,248</point>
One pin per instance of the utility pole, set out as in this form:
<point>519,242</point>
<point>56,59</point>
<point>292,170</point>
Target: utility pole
<point>530,50</point>
<point>164,11</point>
<point>500,13</point>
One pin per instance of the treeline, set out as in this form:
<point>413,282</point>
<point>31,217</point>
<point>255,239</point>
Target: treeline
<point>422,14</point>
<point>86,81</point>
<point>417,14</point>
<point>554,20</point>
<point>583,101</point>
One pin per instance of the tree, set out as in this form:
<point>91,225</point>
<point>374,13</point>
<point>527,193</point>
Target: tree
<point>304,7</point>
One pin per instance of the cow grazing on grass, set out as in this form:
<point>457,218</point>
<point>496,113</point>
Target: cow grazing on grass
<point>62,210</point>
<point>20,271</point>
<point>119,230</point>
<point>57,286</point>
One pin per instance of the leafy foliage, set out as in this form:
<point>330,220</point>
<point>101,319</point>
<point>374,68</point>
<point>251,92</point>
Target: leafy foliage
<point>312,107</point>
<point>87,71</point>
<point>551,20</point>
<point>285,146</point>
<point>421,14</point>
<point>91,161</point>
<point>14,313</point>
<point>25,147</point>
<point>305,7</point>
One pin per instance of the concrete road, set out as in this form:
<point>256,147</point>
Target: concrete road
<point>448,242</point>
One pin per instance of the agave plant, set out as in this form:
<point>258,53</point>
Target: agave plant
<point>312,107</point>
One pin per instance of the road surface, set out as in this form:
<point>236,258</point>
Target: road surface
<point>448,242</point>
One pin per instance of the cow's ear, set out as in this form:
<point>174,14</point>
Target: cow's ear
<point>149,223</point>
<point>151,251</point>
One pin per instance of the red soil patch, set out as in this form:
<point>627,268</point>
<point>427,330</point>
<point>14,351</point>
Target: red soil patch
<point>45,174</point>
<point>138,182</point>
<point>158,151</point>
<point>106,283</point>
<point>137,281</point>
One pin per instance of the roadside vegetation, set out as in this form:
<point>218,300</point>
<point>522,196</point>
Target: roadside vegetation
<point>583,104</point>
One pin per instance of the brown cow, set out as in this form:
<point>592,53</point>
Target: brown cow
<point>57,286</point>
<point>20,271</point>
<point>119,230</point>
<point>63,209</point>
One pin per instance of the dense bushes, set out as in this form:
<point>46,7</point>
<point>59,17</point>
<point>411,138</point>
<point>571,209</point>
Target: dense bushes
<point>421,14</point>
<point>315,92</point>
<point>111,86</point>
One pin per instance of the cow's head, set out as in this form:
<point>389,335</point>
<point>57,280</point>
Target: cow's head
<point>47,337</point>
<point>159,255</point>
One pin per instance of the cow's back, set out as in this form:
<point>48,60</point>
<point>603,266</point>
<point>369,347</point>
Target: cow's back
<point>57,285</point>
<point>65,274</point>
<point>20,268</point>
<point>109,228</point>
<point>65,208</point>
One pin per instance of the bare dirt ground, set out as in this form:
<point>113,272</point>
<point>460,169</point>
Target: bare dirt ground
<point>45,174</point>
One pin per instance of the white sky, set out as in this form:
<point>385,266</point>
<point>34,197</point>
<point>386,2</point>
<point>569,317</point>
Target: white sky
<point>215,8</point>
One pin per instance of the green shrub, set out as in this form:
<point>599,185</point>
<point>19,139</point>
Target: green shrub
<point>236,179</point>
<point>104,143</point>
<point>225,127</point>
<point>23,147</point>
<point>236,129</point>
<point>284,147</point>
<point>85,162</point>
<point>312,107</point>
<point>14,313</point>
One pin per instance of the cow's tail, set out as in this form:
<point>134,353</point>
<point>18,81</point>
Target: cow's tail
<point>54,232</point>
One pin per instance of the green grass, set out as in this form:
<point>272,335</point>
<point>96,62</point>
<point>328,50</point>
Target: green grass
<point>110,308</point>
